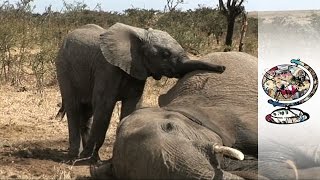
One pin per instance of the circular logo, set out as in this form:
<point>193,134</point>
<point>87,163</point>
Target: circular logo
<point>286,82</point>
<point>289,85</point>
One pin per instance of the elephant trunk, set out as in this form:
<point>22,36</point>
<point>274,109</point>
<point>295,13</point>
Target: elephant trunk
<point>103,171</point>
<point>193,65</point>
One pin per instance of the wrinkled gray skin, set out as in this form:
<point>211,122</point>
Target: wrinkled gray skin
<point>202,109</point>
<point>280,161</point>
<point>98,67</point>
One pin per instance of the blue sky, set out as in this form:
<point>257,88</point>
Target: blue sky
<point>119,5</point>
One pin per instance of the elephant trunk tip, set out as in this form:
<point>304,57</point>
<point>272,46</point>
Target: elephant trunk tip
<point>103,171</point>
<point>223,68</point>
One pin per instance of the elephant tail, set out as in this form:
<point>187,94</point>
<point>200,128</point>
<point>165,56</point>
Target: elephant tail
<point>61,112</point>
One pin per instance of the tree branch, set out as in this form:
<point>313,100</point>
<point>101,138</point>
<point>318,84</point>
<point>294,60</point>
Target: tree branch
<point>239,10</point>
<point>222,7</point>
<point>171,6</point>
<point>241,1</point>
<point>234,2</point>
<point>228,4</point>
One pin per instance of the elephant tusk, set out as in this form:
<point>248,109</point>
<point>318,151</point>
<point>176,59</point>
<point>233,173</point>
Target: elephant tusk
<point>293,166</point>
<point>228,151</point>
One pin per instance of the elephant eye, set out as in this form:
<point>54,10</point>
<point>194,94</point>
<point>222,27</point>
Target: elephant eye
<point>166,54</point>
<point>167,127</point>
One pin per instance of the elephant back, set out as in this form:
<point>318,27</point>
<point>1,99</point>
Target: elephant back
<point>236,86</point>
<point>88,34</point>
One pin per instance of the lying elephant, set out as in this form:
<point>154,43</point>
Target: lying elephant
<point>98,67</point>
<point>288,161</point>
<point>203,117</point>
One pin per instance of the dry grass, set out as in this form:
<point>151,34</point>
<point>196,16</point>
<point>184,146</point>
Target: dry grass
<point>34,145</point>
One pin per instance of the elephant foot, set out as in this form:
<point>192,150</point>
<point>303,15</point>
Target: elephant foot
<point>73,153</point>
<point>86,160</point>
<point>102,171</point>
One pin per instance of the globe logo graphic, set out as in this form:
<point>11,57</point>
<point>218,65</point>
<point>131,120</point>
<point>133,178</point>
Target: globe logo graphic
<point>289,85</point>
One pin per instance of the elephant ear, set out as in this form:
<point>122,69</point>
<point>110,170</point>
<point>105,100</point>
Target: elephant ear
<point>121,47</point>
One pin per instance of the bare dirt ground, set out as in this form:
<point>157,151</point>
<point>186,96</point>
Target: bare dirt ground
<point>33,144</point>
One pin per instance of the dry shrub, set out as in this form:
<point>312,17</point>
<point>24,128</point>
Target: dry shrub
<point>30,41</point>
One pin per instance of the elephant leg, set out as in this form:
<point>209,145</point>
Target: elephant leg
<point>104,100</point>
<point>70,105</point>
<point>100,124</point>
<point>86,122</point>
<point>73,117</point>
<point>85,131</point>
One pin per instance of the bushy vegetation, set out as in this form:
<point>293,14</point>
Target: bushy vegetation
<point>29,41</point>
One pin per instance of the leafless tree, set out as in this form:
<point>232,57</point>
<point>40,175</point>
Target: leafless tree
<point>231,10</point>
<point>172,4</point>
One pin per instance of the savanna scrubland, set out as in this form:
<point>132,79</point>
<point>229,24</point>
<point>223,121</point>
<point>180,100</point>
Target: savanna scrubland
<point>33,144</point>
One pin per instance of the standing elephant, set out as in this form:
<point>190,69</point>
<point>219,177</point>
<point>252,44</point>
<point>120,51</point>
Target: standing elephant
<point>203,117</point>
<point>98,67</point>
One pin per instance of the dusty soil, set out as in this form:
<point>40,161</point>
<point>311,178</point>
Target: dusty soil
<point>33,144</point>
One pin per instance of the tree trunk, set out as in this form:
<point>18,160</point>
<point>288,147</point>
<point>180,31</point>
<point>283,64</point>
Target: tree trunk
<point>243,32</point>
<point>231,21</point>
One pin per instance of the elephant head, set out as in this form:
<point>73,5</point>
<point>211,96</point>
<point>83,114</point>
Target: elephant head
<point>171,145</point>
<point>142,53</point>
